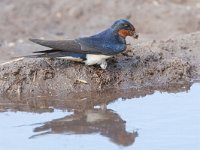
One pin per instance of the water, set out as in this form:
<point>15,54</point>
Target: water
<point>157,121</point>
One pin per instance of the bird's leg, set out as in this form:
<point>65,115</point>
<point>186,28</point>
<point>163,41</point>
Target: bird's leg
<point>103,64</point>
<point>103,107</point>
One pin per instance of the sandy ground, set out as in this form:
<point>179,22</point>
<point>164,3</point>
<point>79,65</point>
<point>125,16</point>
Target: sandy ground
<point>167,51</point>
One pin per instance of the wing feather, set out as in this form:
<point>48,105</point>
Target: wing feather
<point>62,45</point>
<point>96,44</point>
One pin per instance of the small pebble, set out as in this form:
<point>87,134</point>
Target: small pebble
<point>155,3</point>
<point>198,5</point>
<point>20,41</point>
<point>58,15</point>
<point>11,44</point>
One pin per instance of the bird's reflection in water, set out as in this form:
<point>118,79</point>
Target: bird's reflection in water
<point>86,118</point>
<point>105,122</point>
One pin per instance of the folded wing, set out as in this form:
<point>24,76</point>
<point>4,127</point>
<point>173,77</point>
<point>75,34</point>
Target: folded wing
<point>64,46</point>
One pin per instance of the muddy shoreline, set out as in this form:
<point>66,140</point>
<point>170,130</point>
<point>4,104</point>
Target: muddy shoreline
<point>148,94</point>
<point>166,53</point>
<point>145,63</point>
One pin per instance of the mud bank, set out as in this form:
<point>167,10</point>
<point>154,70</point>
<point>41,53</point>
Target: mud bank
<point>145,63</point>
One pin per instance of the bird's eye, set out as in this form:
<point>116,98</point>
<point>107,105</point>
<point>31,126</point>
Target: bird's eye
<point>125,25</point>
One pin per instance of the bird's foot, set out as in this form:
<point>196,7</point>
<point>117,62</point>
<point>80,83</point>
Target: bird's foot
<point>103,65</point>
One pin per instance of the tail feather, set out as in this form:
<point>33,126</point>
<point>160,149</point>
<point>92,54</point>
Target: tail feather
<point>57,53</point>
<point>48,51</point>
<point>45,53</point>
<point>32,56</point>
<point>41,42</point>
<point>36,56</point>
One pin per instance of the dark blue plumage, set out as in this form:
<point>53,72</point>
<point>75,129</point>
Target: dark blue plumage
<point>106,43</point>
<point>94,49</point>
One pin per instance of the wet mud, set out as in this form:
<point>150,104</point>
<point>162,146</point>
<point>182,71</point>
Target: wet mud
<point>155,63</point>
<point>165,58</point>
<point>167,52</point>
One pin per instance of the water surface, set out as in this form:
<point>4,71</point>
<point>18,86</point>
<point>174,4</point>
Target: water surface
<point>155,121</point>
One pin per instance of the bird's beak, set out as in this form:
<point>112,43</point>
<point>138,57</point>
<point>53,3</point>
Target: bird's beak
<point>135,35</point>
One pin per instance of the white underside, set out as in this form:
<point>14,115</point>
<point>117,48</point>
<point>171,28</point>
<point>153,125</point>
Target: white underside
<point>91,59</point>
<point>92,116</point>
<point>72,58</point>
<point>95,59</point>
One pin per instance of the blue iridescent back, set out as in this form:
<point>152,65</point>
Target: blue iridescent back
<point>106,42</point>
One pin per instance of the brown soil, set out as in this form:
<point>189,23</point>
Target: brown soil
<point>167,52</point>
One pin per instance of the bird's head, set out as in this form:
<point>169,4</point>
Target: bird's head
<point>124,28</point>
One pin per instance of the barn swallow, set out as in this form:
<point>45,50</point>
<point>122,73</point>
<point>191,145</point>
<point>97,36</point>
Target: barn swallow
<point>91,50</point>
